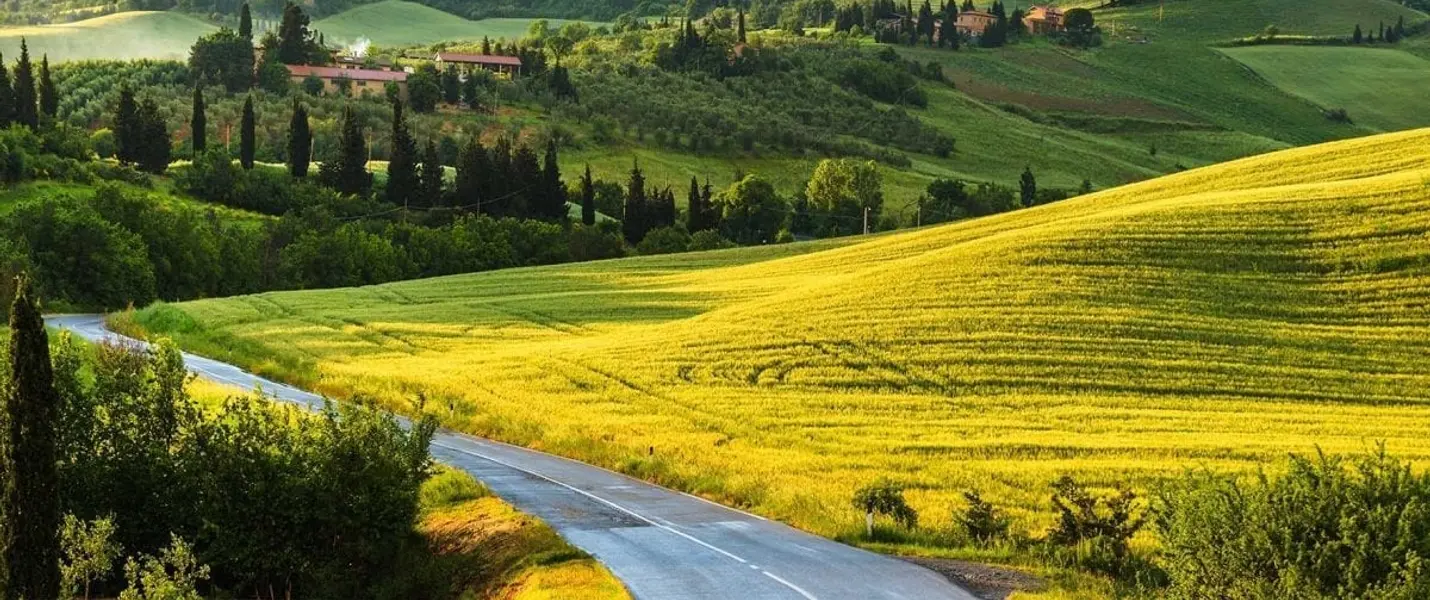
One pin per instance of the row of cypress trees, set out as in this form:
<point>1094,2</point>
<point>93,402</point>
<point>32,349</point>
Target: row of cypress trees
<point>23,101</point>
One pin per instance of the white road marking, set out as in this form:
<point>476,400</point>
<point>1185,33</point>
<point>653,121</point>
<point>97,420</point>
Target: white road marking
<point>789,585</point>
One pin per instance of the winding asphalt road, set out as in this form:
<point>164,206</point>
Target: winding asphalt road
<point>662,544</point>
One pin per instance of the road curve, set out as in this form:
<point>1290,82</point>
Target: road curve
<point>661,543</point>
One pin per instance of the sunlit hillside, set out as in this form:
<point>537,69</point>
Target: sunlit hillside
<point>120,36</point>
<point>401,23</point>
<point>1220,317</point>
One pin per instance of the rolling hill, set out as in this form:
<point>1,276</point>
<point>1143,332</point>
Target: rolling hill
<point>399,23</point>
<point>120,36</point>
<point>1219,317</point>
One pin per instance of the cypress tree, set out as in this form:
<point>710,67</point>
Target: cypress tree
<point>740,27</point>
<point>588,198</point>
<point>246,135</point>
<point>501,178</point>
<point>473,172</point>
<point>348,174</point>
<point>293,36</point>
<point>153,136</point>
<point>402,163</point>
<point>49,98</point>
<point>30,502</point>
<point>127,127</point>
<point>633,220</point>
<point>300,141</point>
<point>1028,187</point>
<point>695,212</point>
<point>553,191</point>
<point>431,176</point>
<point>1356,37</point>
<point>198,123</point>
<point>7,96</point>
<point>528,200</point>
<point>245,22</point>
<point>25,113</point>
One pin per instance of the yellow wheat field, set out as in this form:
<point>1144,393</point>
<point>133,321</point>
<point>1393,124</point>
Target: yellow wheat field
<point>1221,317</point>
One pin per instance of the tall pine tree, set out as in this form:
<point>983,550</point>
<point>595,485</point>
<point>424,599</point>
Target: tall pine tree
<point>247,136</point>
<point>245,22</point>
<point>348,174</point>
<point>1028,187</point>
<point>431,176</point>
<point>633,221</point>
<point>198,123</point>
<point>402,163</point>
<point>29,505</point>
<point>553,192</point>
<point>153,136</point>
<point>7,96</point>
<point>127,127</point>
<point>588,198</point>
<point>49,97</point>
<point>473,172</point>
<point>25,109</point>
<point>300,141</point>
<point>527,201</point>
<point>293,36</point>
<point>694,210</point>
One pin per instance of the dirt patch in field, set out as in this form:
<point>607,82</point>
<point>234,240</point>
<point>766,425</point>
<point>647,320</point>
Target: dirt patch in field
<point>985,581</point>
<point>988,91</point>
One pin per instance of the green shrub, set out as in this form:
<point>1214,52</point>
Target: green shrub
<point>1329,527</point>
<point>709,239</point>
<point>1098,529</point>
<point>665,240</point>
<point>982,522</point>
<point>886,498</point>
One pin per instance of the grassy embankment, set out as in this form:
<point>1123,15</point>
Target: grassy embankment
<point>1221,317</point>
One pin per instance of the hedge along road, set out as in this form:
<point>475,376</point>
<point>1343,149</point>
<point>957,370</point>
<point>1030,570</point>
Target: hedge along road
<point>661,543</point>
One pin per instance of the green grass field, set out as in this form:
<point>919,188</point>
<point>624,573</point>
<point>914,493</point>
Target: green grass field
<point>1221,317</point>
<point>1381,88</point>
<point>121,36</point>
<point>398,23</point>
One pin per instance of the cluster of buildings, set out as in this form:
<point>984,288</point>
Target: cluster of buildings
<point>1038,20</point>
<point>374,74</point>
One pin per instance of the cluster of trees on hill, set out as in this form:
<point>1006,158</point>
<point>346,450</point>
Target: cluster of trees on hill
<point>1389,35</point>
<point>105,455</point>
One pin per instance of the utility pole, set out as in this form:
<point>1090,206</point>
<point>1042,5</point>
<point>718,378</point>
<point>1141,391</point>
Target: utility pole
<point>866,220</point>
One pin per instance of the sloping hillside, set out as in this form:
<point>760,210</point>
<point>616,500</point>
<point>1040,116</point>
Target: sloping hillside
<point>120,36</point>
<point>1223,317</point>
<point>401,23</point>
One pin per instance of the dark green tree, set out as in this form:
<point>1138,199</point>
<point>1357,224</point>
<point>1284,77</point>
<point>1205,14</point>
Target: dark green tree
<point>528,199</point>
<point>431,176</point>
<point>300,141</point>
<point>49,97</point>
<point>925,23</point>
<point>7,96</point>
<point>245,22</point>
<point>348,174</point>
<point>294,39</point>
<point>588,198</point>
<point>473,173</point>
<point>451,86</point>
<point>127,127</point>
<point>424,89</point>
<point>552,206</point>
<point>153,138</point>
<point>694,207</point>
<point>30,502</point>
<point>25,108</point>
<point>402,163</point>
<point>198,123</point>
<point>1357,37</point>
<point>740,25</point>
<point>247,136</point>
<point>1028,187</point>
<point>633,221</point>
<point>225,58</point>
